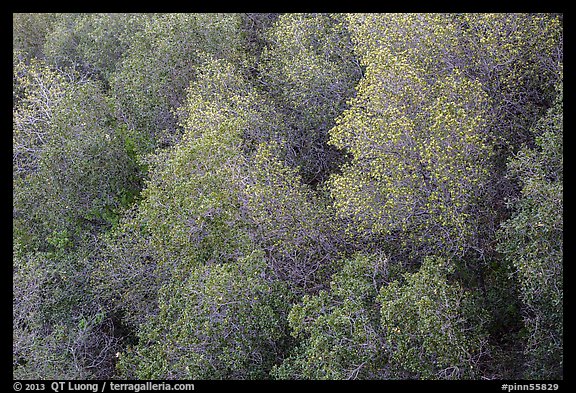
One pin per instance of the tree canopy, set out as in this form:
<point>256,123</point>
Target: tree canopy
<point>288,196</point>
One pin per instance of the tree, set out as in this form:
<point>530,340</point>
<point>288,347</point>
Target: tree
<point>432,326</point>
<point>338,330</point>
<point>59,331</point>
<point>309,69</point>
<point>92,44</point>
<point>29,32</point>
<point>125,276</point>
<point>160,62</point>
<point>532,241</point>
<point>291,223</point>
<point>254,28</point>
<point>511,57</point>
<point>72,171</point>
<point>226,120</point>
<point>36,91</point>
<point>419,156</point>
<point>377,323</point>
<point>71,175</point>
<point>191,211</point>
<point>223,321</point>
<point>288,196</point>
<point>516,58</point>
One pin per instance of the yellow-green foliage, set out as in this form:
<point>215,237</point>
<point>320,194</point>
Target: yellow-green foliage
<point>366,326</point>
<point>425,39</point>
<point>191,203</point>
<point>419,153</point>
<point>514,56</point>
<point>221,93</point>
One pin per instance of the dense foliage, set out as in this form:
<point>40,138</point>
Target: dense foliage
<point>288,196</point>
